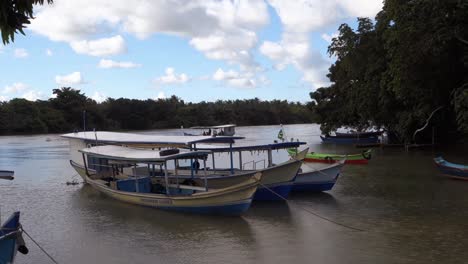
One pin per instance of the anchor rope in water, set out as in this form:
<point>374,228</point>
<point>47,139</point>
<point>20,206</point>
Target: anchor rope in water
<point>312,212</point>
<point>39,246</point>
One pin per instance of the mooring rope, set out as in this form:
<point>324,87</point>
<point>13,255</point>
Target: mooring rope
<point>39,246</point>
<point>312,212</point>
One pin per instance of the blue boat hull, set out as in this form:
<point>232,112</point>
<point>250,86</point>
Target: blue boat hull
<point>313,187</point>
<point>452,170</point>
<point>234,209</point>
<point>271,194</point>
<point>340,140</point>
<point>313,179</point>
<point>8,245</point>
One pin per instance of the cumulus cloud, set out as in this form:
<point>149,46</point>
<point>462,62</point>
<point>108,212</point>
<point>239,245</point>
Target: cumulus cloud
<point>236,79</point>
<point>329,37</point>
<point>32,95</point>
<point>172,77</point>
<point>20,53</point>
<point>14,88</point>
<point>161,95</point>
<point>98,97</point>
<point>100,47</point>
<point>73,78</point>
<point>108,64</point>
<point>49,52</point>
<point>222,30</point>
<point>299,19</point>
<point>4,98</point>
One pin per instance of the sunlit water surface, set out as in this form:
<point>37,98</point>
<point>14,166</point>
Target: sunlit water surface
<point>410,214</point>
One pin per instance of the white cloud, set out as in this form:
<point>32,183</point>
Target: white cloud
<point>172,77</point>
<point>108,64</point>
<point>234,78</point>
<point>222,30</point>
<point>161,95</point>
<point>299,19</point>
<point>21,53</point>
<point>32,95</point>
<point>328,38</point>
<point>49,52</point>
<point>98,97</point>
<point>70,79</point>
<point>14,88</point>
<point>100,47</point>
<point>4,98</point>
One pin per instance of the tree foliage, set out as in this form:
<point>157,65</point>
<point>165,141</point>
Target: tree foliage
<point>393,73</point>
<point>65,112</point>
<point>14,15</point>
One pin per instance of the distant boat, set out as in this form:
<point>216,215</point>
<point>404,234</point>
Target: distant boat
<point>452,170</point>
<point>6,174</point>
<point>359,158</point>
<point>222,130</point>
<point>349,140</point>
<point>317,177</point>
<point>358,134</point>
<point>11,239</point>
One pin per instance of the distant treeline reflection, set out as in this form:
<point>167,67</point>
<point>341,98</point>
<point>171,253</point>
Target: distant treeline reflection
<point>65,113</point>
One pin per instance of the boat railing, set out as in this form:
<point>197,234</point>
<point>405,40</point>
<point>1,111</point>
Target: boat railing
<point>264,164</point>
<point>253,164</point>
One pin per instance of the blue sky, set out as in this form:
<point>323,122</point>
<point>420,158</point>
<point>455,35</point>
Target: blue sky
<point>196,50</point>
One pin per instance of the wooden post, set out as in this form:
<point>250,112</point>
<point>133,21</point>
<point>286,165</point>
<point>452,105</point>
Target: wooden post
<point>270,158</point>
<point>204,170</point>
<point>213,159</point>
<point>231,158</point>
<point>175,171</point>
<point>166,174</point>
<point>240,160</point>
<point>136,179</point>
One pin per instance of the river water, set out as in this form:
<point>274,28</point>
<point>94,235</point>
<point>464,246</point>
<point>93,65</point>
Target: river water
<point>409,213</point>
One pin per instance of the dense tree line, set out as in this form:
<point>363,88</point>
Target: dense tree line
<point>64,113</point>
<point>394,72</point>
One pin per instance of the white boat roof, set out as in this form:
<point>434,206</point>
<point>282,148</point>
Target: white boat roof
<point>213,127</point>
<point>246,147</point>
<point>138,155</point>
<point>143,139</point>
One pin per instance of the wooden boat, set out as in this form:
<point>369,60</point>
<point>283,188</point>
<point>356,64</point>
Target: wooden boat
<point>358,134</point>
<point>346,140</point>
<point>277,179</point>
<point>6,174</point>
<point>222,130</point>
<point>317,177</point>
<point>11,239</point>
<point>158,192</point>
<point>359,158</point>
<point>452,170</point>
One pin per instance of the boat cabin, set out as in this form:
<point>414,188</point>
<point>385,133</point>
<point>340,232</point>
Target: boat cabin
<point>140,170</point>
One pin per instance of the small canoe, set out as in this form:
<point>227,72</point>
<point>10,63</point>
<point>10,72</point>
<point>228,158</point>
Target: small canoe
<point>359,158</point>
<point>11,239</point>
<point>358,134</point>
<point>452,170</point>
<point>317,177</point>
<point>352,140</point>
<point>6,174</point>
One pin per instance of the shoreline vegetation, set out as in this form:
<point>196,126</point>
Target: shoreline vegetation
<point>406,72</point>
<point>64,113</point>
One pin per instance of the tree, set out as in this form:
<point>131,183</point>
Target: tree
<point>14,15</point>
<point>395,72</point>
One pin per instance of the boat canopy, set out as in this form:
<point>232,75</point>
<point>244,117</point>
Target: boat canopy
<point>273,146</point>
<point>139,155</point>
<point>213,127</point>
<point>142,139</point>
